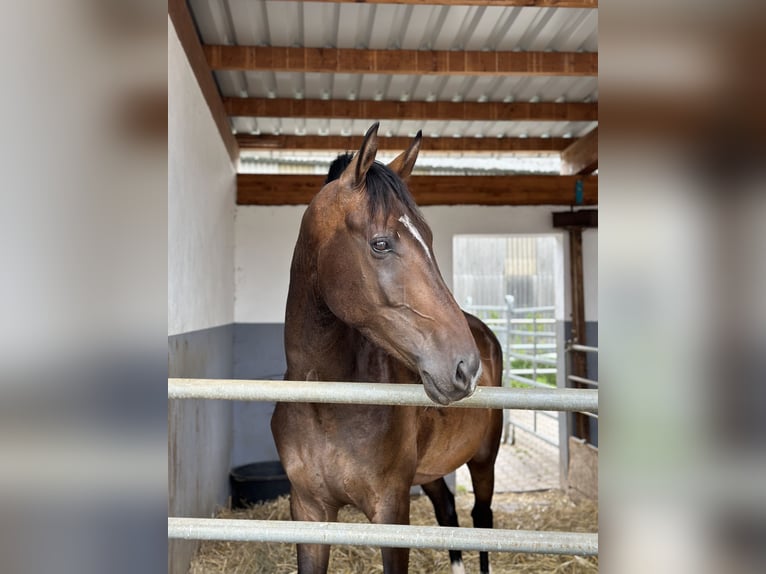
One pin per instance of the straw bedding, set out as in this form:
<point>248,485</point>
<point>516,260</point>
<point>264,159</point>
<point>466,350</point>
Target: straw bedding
<point>547,510</point>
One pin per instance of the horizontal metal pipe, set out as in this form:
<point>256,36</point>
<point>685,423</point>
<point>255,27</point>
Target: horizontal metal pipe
<point>584,348</point>
<point>532,309</point>
<point>533,358</point>
<point>472,308</point>
<point>539,371</point>
<point>582,380</point>
<point>389,535</point>
<point>542,321</point>
<point>547,334</point>
<point>530,346</point>
<point>378,394</point>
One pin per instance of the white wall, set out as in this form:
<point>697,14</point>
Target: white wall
<point>201,187</point>
<point>265,237</point>
<point>201,191</point>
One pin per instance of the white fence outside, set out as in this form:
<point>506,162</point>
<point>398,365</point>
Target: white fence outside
<point>528,338</point>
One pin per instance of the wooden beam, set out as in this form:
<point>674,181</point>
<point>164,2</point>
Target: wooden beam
<point>352,143</point>
<point>582,156</point>
<point>179,14</point>
<point>373,110</point>
<point>445,63</point>
<point>579,218</point>
<point>528,3</point>
<point>271,189</point>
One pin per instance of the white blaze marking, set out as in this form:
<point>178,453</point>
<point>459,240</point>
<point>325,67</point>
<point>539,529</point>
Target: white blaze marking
<point>457,567</point>
<point>415,233</point>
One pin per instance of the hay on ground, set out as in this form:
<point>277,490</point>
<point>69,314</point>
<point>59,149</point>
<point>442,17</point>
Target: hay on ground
<point>547,510</point>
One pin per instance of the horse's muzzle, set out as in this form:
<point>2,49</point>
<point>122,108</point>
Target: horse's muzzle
<point>459,384</point>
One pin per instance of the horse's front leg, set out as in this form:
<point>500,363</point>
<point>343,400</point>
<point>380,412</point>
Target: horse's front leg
<point>393,507</point>
<point>312,558</point>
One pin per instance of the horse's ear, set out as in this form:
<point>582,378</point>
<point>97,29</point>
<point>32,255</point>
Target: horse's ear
<point>354,174</point>
<point>403,163</point>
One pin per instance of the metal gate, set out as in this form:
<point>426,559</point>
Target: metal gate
<point>437,537</point>
<point>528,338</point>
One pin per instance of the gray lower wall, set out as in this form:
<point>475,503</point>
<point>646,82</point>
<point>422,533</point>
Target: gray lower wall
<point>199,434</point>
<point>259,353</point>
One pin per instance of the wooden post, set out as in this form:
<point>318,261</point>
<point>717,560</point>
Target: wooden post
<point>579,368</point>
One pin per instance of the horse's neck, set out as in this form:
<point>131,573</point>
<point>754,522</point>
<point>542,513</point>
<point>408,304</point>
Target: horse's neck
<point>321,347</point>
<point>316,342</point>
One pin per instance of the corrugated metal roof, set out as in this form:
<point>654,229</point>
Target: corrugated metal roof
<point>401,26</point>
<point>281,161</point>
<point>395,26</point>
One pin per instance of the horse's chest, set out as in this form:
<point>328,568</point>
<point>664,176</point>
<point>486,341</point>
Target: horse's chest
<point>340,450</point>
<point>447,439</point>
<point>346,434</point>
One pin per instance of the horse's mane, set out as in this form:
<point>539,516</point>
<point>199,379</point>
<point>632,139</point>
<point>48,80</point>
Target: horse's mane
<point>337,166</point>
<point>383,187</point>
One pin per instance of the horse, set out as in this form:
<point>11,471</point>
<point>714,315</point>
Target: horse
<point>367,303</point>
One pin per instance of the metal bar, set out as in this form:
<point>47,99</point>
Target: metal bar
<point>587,414</point>
<point>532,333</point>
<point>378,394</point>
<point>565,418</point>
<point>534,354</point>
<point>535,433</point>
<point>582,380</point>
<point>530,382</point>
<point>584,348</point>
<point>533,309</point>
<point>539,372</point>
<point>533,359</point>
<point>388,535</point>
<point>545,320</point>
<point>508,312</point>
<point>483,307</point>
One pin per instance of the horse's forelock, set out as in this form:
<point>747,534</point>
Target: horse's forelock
<point>385,189</point>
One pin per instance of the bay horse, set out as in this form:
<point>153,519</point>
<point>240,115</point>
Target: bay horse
<point>367,303</point>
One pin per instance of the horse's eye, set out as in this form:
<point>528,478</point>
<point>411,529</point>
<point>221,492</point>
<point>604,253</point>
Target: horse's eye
<point>380,245</point>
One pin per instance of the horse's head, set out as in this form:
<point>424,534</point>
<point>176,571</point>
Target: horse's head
<point>376,271</point>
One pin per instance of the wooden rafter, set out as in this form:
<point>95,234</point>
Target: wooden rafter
<point>341,143</point>
<point>179,14</point>
<point>581,157</point>
<point>528,3</point>
<point>270,189</point>
<point>387,110</point>
<point>348,61</point>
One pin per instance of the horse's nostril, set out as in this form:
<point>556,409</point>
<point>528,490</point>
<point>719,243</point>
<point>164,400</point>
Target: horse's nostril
<point>461,374</point>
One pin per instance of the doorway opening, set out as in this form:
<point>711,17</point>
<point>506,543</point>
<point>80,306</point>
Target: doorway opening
<point>515,284</point>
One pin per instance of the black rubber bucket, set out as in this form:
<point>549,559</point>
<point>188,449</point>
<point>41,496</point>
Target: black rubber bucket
<point>258,482</point>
